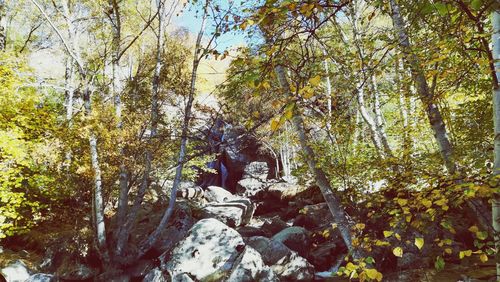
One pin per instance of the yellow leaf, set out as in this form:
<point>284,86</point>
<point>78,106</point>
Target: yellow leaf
<point>402,202</point>
<point>408,218</point>
<point>274,125</point>
<point>448,251</point>
<point>419,242</point>
<point>371,273</point>
<point>463,254</point>
<point>350,266</point>
<point>315,80</point>
<point>334,225</point>
<point>388,233</point>
<point>397,236</point>
<point>397,251</point>
<point>360,226</point>
<point>427,203</point>
<point>379,276</point>
<point>441,202</point>
<point>483,258</point>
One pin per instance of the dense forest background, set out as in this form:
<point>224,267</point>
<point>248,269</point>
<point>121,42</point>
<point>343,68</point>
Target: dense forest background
<point>385,112</point>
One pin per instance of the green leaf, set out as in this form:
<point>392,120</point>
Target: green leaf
<point>439,263</point>
<point>441,8</point>
<point>476,4</point>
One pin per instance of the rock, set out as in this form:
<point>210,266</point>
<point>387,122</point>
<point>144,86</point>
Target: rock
<point>256,170</point>
<point>271,251</point>
<point>76,271</point>
<point>324,255</point>
<point>250,231</point>
<point>251,267</point>
<point>16,272</point>
<point>218,194</point>
<point>296,238</point>
<point>140,268</point>
<point>182,220</point>
<point>250,187</point>
<point>233,213</point>
<point>195,192</point>
<point>208,252</point>
<point>313,216</point>
<point>285,191</point>
<point>293,268</point>
<point>41,277</point>
<point>155,275</point>
<point>273,225</point>
<point>409,260</point>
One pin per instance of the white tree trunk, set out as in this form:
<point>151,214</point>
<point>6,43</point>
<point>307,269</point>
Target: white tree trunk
<point>426,96</point>
<point>199,52</point>
<point>496,115</point>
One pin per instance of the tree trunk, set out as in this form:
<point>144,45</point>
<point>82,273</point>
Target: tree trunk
<point>379,118</point>
<point>426,96</point>
<point>496,116</point>
<point>132,215</point>
<point>333,202</point>
<point>198,55</point>
<point>98,204</point>
<point>3,26</point>
<point>369,121</point>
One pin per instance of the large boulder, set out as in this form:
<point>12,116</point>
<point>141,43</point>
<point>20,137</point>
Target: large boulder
<point>273,225</point>
<point>182,220</point>
<point>285,191</point>
<point>272,251</point>
<point>16,271</point>
<point>251,267</point>
<point>293,268</point>
<point>250,187</point>
<point>155,275</point>
<point>286,264</point>
<point>256,170</point>
<point>296,238</point>
<point>76,271</point>
<point>313,216</point>
<point>218,194</point>
<point>41,277</point>
<point>209,252</point>
<point>234,213</point>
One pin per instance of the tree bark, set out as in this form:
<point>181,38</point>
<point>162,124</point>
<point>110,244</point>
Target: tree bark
<point>132,215</point>
<point>426,96</point>
<point>3,29</point>
<point>198,55</point>
<point>496,116</point>
<point>333,202</point>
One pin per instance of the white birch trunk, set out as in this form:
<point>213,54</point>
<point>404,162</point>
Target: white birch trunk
<point>496,115</point>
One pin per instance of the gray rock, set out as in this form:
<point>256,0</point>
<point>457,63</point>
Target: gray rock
<point>41,277</point>
<point>250,187</point>
<point>251,267</point>
<point>312,216</point>
<point>155,275</point>
<point>256,170</point>
<point>76,271</point>
<point>271,251</point>
<point>208,252</point>
<point>293,268</point>
<point>218,194</point>
<point>16,272</point>
<point>273,225</point>
<point>285,191</point>
<point>234,213</point>
<point>296,238</point>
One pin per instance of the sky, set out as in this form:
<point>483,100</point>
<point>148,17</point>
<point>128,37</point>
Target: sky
<point>191,19</point>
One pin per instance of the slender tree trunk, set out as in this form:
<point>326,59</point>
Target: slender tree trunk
<point>155,91</point>
<point>496,115</point>
<point>379,118</point>
<point>369,121</point>
<point>198,55</point>
<point>98,204</point>
<point>426,96</point>
<point>333,202</point>
<point>3,25</point>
